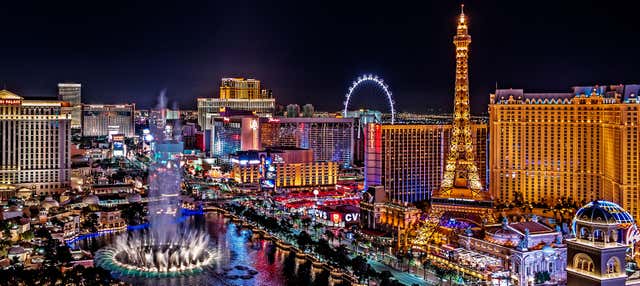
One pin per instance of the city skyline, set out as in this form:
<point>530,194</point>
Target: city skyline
<point>259,186</point>
<point>148,49</point>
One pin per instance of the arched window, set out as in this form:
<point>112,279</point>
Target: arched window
<point>583,262</point>
<point>584,233</point>
<point>613,235</point>
<point>597,235</point>
<point>613,265</point>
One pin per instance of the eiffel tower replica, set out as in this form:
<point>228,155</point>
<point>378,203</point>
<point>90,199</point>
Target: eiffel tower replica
<point>461,195</point>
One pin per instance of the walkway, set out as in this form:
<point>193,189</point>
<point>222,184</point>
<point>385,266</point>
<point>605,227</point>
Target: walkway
<point>402,277</point>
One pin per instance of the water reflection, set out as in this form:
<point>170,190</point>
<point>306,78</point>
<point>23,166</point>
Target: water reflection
<point>244,260</point>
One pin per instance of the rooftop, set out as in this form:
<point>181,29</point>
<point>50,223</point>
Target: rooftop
<point>5,94</point>
<point>533,227</point>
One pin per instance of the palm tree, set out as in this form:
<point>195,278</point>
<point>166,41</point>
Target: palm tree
<point>317,227</point>
<point>340,236</point>
<point>354,244</point>
<point>440,273</point>
<point>425,264</point>
<point>330,235</point>
<point>294,218</point>
<point>306,222</point>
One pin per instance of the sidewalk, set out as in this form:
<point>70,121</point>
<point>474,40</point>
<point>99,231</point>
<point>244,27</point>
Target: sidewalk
<point>403,277</point>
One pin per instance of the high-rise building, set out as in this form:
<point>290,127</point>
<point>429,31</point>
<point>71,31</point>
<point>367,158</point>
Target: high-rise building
<point>240,88</point>
<point>330,139</point>
<point>236,94</point>
<point>34,143</point>
<point>72,93</point>
<point>582,145</point>
<point>233,132</point>
<point>408,159</point>
<point>105,120</point>
<point>362,118</point>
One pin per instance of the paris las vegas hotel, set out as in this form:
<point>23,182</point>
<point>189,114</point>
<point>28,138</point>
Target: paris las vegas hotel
<point>581,144</point>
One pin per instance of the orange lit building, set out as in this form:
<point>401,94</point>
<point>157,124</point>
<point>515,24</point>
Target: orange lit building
<point>581,144</point>
<point>236,94</point>
<point>294,169</point>
<point>240,88</point>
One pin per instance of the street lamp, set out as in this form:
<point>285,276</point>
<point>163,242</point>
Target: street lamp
<point>315,204</point>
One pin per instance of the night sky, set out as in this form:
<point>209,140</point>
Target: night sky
<point>310,51</point>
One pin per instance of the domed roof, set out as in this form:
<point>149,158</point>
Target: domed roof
<point>134,198</point>
<point>16,250</point>
<point>502,232</point>
<point>601,211</point>
<point>49,202</point>
<point>31,202</point>
<point>91,200</point>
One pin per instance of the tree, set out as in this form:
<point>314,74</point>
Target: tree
<point>303,239</point>
<point>5,226</point>
<point>342,255</point>
<point>385,277</point>
<point>324,249</point>
<point>91,222</point>
<point>4,246</point>
<point>360,266</point>
<point>43,232</point>
<point>542,276</point>
<point>63,254</point>
<point>50,276</point>
<point>50,248</point>
<point>306,222</point>
<point>340,236</point>
<point>133,214</point>
<point>440,273</point>
<point>27,235</point>
<point>330,235</point>
<point>317,227</point>
<point>426,264</point>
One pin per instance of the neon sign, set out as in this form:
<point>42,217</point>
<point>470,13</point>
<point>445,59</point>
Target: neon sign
<point>10,101</point>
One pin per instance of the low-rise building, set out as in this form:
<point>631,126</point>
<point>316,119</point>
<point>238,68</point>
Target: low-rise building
<point>286,168</point>
<point>110,220</point>
<point>519,251</point>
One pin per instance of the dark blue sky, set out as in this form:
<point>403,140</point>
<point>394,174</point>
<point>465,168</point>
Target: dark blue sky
<point>310,51</point>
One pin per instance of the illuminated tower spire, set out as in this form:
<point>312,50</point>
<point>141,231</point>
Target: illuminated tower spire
<point>461,170</point>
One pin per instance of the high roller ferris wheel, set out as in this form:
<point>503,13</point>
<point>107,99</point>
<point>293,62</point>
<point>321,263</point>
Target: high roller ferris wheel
<point>378,81</point>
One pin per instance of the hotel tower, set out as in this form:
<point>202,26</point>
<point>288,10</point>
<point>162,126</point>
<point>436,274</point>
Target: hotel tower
<point>581,145</point>
<point>34,143</point>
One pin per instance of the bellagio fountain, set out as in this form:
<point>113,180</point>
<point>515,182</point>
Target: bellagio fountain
<point>166,248</point>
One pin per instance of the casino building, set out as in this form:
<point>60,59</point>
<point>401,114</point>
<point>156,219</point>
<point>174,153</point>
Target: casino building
<point>408,159</point>
<point>330,139</point>
<point>236,94</point>
<point>34,143</point>
<point>582,144</point>
<point>287,168</point>
<point>104,120</point>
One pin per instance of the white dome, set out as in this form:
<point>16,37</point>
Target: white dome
<point>91,200</point>
<point>49,202</point>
